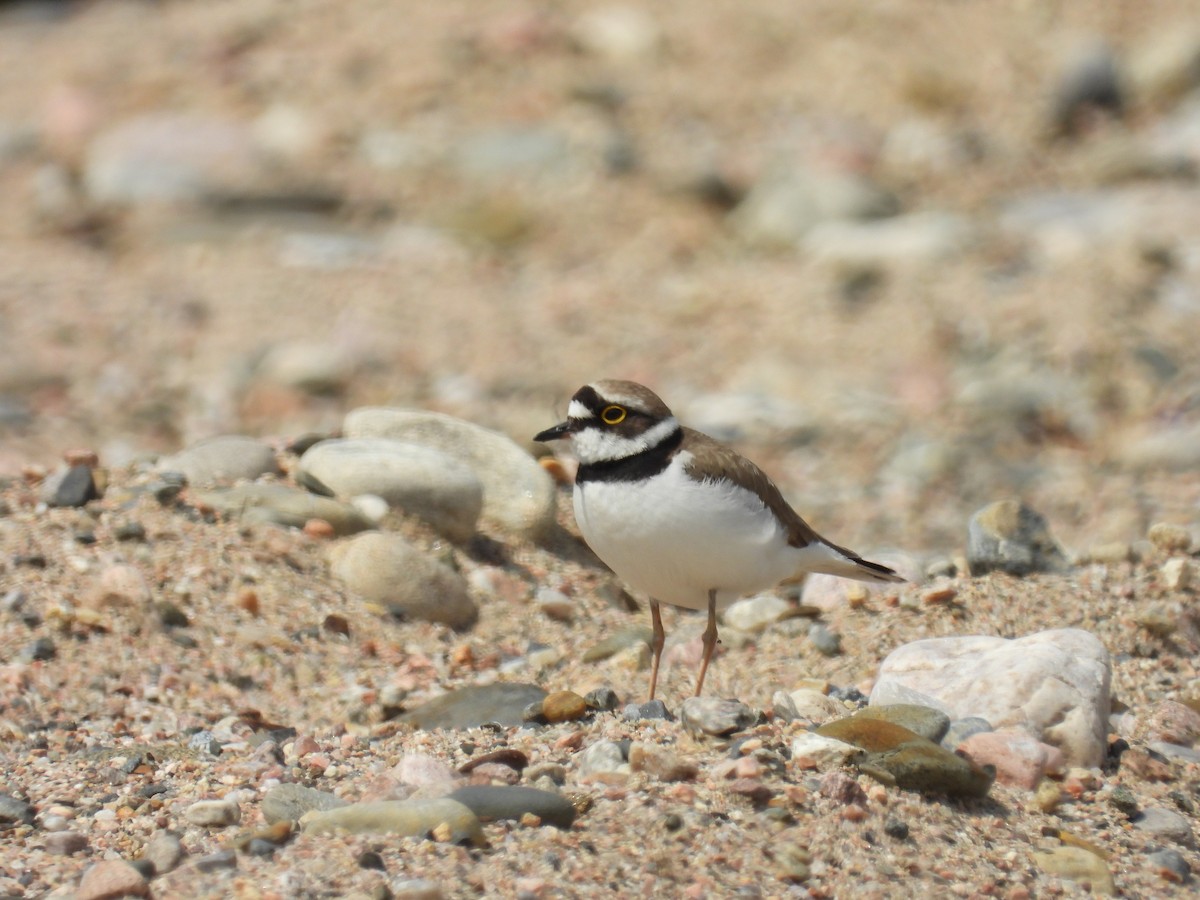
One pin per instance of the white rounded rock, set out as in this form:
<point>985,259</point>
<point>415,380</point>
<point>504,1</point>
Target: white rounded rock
<point>222,459</point>
<point>518,494</point>
<point>388,570</point>
<point>1053,684</point>
<point>427,483</point>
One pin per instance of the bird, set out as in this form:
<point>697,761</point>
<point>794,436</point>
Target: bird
<point>682,517</point>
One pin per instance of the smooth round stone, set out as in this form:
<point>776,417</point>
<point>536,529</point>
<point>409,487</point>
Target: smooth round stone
<point>1171,865</point>
<point>493,802</point>
<point>406,818</point>
<point>650,710</point>
<point>222,459</point>
<point>279,504</point>
<point>216,862</point>
<point>64,843</point>
<point>388,570</point>
<point>288,802</point>
<point>320,369</point>
<point>1011,537</point>
<point>1165,823</point>
<point>931,724</point>
<point>602,758</point>
<point>417,889</point>
<point>423,482</point>
<point>165,851</point>
<point>555,604</point>
<point>213,813</point>
<point>756,614</point>
<point>1077,864</point>
<point>563,706</point>
<point>827,642</point>
<point>816,751</point>
<point>1018,758</point>
<point>470,707</point>
<point>902,757</point>
<point>111,878</point>
<point>617,641</point>
<point>72,487</point>
<point>518,494</point>
<point>712,716</point>
<point>815,706</point>
<point>16,812</point>
<point>1054,684</point>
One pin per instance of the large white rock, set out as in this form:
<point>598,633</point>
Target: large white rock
<point>1054,684</point>
<point>518,495</point>
<point>424,482</point>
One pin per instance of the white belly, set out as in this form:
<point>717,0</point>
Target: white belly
<point>677,539</point>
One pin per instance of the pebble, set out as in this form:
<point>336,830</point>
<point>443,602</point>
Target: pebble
<point>1077,864</point>
<point>170,157</point>
<point>602,758</point>
<point>279,504</point>
<point>64,843</point>
<point>814,706</point>
<point>1011,537</point>
<point>961,729</point>
<point>715,717</point>
<point>165,851</point>
<point>74,487</point>
<point>475,705</point>
<point>216,862</point>
<point>493,802</point>
<point>563,706</point>
<point>386,569</point>
<point>417,889</point>
<point>1068,670</point>
<point>425,771</point>
<point>815,751</point>
<point>1178,574</point>
<point>221,460</point>
<point>660,763</point>
<point>321,370</point>
<point>407,818</point>
<point>555,604</point>
<point>38,650</point>
<point>213,813</point>
<point>110,879</point>
<point>423,482</point>
<point>931,724</point>
<point>288,802</point>
<point>1169,537</point>
<point>1089,80</point>
<point>827,642</point>
<point>1019,759</point>
<point>756,614</point>
<point>16,812</point>
<point>631,635</point>
<point>1171,722</point>
<point>1165,823</point>
<point>901,757</point>
<point>648,711</point>
<point>1171,866</point>
<point>518,495</point>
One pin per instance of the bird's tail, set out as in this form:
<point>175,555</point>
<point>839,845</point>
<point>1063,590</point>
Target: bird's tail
<point>829,559</point>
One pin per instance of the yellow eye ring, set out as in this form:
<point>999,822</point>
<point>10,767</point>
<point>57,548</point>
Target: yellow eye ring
<point>613,415</point>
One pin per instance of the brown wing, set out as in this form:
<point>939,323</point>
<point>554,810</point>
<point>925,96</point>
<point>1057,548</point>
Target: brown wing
<point>712,456</point>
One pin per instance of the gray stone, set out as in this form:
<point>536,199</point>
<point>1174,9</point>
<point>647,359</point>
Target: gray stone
<point>712,716</point>
<point>785,205</point>
<point>1053,684</point>
<point>278,504</point>
<point>216,862</point>
<point>169,157</point>
<point>827,641</point>
<point>1165,823</point>
<point>386,569</point>
<point>213,813</point>
<point>601,758</point>
<point>72,487</point>
<point>1009,536</point>
<point>470,707</point>
<point>518,494</point>
<point>630,636</point>
<point>16,812</point>
<point>221,460</point>
<point>165,851</point>
<point>288,802</point>
<point>492,802</point>
<point>419,480</point>
<point>931,724</point>
<point>648,711</point>
<point>1171,861</point>
<point>406,818</point>
<point>64,843</point>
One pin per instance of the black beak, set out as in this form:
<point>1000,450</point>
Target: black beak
<point>561,430</point>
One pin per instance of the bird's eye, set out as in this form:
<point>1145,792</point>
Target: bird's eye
<point>613,415</point>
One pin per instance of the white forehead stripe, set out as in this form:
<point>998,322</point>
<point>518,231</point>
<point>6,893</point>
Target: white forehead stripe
<point>577,410</point>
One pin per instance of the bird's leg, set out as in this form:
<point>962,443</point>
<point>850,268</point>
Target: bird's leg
<point>656,643</point>
<point>710,640</point>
